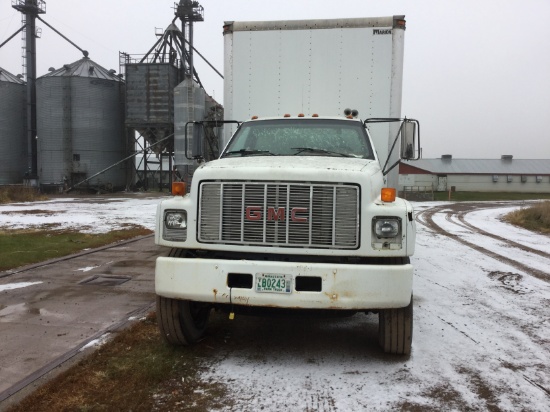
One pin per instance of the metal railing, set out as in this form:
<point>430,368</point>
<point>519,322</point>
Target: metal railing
<point>417,192</point>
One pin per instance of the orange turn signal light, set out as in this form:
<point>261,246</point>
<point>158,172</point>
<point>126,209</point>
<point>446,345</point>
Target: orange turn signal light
<point>388,194</point>
<point>178,188</point>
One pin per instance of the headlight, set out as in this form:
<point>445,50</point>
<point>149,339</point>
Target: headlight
<point>175,226</point>
<point>386,233</point>
<point>387,228</point>
<point>175,220</point>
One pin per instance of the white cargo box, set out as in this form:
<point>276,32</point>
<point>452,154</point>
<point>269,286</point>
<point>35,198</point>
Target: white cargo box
<point>315,66</point>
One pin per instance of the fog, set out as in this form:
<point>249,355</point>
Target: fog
<point>476,76</point>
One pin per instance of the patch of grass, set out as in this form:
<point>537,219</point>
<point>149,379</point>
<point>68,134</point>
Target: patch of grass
<point>534,217</point>
<point>24,247</point>
<point>135,371</point>
<point>489,196</point>
<point>16,193</point>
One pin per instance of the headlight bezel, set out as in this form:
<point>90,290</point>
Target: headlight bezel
<point>392,239</point>
<point>175,225</point>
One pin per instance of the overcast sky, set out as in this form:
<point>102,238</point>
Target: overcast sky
<point>477,72</point>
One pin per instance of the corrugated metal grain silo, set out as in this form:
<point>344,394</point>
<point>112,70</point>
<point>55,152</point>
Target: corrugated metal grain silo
<point>80,126</point>
<point>13,144</point>
<point>150,100</point>
<point>149,97</point>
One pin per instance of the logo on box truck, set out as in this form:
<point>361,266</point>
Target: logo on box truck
<point>255,213</point>
<point>381,31</point>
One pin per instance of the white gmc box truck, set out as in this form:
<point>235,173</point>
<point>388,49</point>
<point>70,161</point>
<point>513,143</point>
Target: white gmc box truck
<point>300,210</point>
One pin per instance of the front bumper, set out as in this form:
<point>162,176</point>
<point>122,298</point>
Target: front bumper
<point>344,286</point>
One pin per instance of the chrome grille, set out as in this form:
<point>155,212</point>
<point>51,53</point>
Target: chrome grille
<point>279,214</point>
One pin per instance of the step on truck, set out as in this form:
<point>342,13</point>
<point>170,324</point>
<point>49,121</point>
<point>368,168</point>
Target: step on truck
<point>299,212</point>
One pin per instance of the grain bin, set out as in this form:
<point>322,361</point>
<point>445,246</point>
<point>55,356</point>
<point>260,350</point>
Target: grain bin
<point>150,100</point>
<point>13,145</point>
<point>80,126</point>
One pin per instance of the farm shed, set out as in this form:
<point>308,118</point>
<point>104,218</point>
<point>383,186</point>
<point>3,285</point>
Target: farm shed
<point>476,175</point>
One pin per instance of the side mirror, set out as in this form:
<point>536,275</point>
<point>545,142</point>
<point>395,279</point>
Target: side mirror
<point>194,133</point>
<point>408,139</point>
<point>202,139</point>
<point>409,132</point>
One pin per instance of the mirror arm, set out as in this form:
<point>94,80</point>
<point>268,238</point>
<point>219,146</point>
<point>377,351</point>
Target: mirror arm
<point>403,121</point>
<point>384,171</point>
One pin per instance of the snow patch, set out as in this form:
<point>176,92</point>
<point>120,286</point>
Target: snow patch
<point>102,340</point>
<point>86,269</point>
<point>19,285</point>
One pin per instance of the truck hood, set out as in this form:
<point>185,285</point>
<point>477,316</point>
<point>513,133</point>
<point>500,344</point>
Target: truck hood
<point>293,168</point>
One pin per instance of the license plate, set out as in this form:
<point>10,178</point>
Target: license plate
<point>273,283</point>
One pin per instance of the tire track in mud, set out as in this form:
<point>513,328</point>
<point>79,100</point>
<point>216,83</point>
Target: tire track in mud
<point>537,385</point>
<point>461,217</point>
<point>484,388</point>
<point>456,214</point>
<point>460,210</point>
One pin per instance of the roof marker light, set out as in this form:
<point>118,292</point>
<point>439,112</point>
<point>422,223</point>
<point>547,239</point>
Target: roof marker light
<point>314,115</point>
<point>301,115</point>
<point>351,113</point>
<point>287,115</point>
<point>254,117</point>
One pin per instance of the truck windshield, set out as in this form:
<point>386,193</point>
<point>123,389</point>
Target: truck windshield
<point>300,137</point>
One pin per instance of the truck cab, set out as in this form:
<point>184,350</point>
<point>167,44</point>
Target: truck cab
<point>293,215</point>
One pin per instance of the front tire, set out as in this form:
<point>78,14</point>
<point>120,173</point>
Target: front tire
<point>395,328</point>
<point>182,322</point>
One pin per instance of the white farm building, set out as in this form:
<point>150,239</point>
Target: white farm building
<point>476,175</point>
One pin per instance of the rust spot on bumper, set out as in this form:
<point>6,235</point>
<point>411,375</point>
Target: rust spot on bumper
<point>332,296</point>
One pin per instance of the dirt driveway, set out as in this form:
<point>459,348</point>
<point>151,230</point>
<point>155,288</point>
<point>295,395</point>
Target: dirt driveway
<point>481,335</point>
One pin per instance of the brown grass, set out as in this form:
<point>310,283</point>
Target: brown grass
<point>135,371</point>
<point>535,217</point>
<point>16,193</point>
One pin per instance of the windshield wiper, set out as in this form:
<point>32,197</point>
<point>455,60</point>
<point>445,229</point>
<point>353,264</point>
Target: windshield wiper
<point>313,150</point>
<point>246,152</point>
